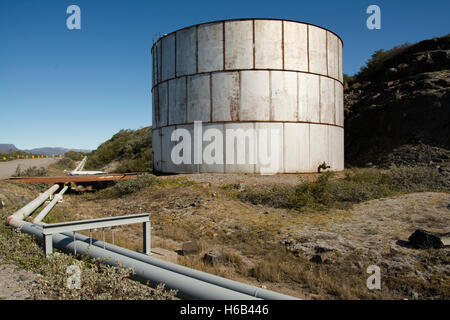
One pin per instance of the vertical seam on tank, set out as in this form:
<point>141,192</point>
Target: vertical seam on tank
<point>175,67</point>
<point>211,108</point>
<point>334,104</point>
<point>186,100</point>
<point>284,147</point>
<point>168,106</point>
<point>253,43</point>
<point>240,96</point>
<point>320,103</point>
<point>282,44</point>
<point>256,146</point>
<point>298,98</point>
<point>223,47</point>
<point>161,55</point>
<point>270,97</point>
<point>307,43</point>
<point>326,49</point>
<point>309,147</point>
<point>196,48</point>
<point>224,148</point>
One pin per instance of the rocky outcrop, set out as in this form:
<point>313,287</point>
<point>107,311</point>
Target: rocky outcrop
<point>401,115</point>
<point>422,239</point>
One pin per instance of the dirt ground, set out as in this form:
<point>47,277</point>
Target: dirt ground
<point>16,284</point>
<point>8,168</point>
<point>276,248</point>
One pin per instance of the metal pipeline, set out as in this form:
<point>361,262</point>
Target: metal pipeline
<point>16,219</point>
<point>189,288</point>
<point>80,166</point>
<point>49,207</point>
<point>202,276</point>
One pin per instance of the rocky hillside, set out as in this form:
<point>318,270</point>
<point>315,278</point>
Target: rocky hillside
<point>397,108</point>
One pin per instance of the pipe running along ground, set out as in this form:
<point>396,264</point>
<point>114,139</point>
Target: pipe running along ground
<point>203,276</point>
<point>188,288</point>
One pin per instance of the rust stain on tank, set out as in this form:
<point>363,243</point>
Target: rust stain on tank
<point>234,106</point>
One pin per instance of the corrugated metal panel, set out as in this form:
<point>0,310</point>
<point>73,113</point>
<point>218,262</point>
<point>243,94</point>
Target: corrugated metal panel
<point>168,57</point>
<point>153,66</point>
<point>226,96</point>
<point>268,44</point>
<point>255,97</point>
<point>336,135</point>
<point>326,100</point>
<point>158,62</point>
<point>238,45</point>
<point>166,149</point>
<point>333,55</point>
<point>272,153</point>
<point>177,101</point>
<point>162,103</point>
<point>199,100</point>
<point>319,151</point>
<point>244,153</point>
<point>296,147</point>
<point>284,106</point>
<point>156,149</point>
<point>154,106</point>
<point>186,51</point>
<point>309,95</point>
<point>295,46</point>
<point>317,50</point>
<point>340,150</point>
<point>210,47</point>
<point>209,147</point>
<point>170,147</point>
<point>339,100</point>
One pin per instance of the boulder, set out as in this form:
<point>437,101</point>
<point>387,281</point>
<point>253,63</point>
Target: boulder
<point>190,247</point>
<point>422,239</point>
<point>213,257</point>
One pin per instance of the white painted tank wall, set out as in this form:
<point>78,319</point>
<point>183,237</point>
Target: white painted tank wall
<point>254,73</point>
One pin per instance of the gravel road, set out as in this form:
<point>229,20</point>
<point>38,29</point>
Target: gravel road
<point>7,168</point>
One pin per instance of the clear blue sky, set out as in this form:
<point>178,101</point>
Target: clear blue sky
<point>76,88</point>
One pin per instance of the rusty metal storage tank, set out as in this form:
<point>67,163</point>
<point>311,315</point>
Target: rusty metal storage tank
<point>255,75</point>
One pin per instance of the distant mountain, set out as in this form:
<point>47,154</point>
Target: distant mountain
<point>44,151</point>
<point>53,150</point>
<point>7,147</point>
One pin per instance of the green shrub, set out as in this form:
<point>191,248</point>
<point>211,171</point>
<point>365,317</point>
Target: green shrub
<point>64,163</point>
<point>378,61</point>
<point>357,186</point>
<point>30,172</point>
<point>74,155</point>
<point>131,148</point>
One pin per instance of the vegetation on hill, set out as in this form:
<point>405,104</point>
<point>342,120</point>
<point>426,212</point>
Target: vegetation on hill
<point>381,59</point>
<point>74,155</point>
<point>357,186</point>
<point>397,107</point>
<point>131,150</point>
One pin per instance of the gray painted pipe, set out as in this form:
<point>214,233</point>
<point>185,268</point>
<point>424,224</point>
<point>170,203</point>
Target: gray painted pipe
<point>203,276</point>
<point>49,207</point>
<point>188,287</point>
<point>16,219</point>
